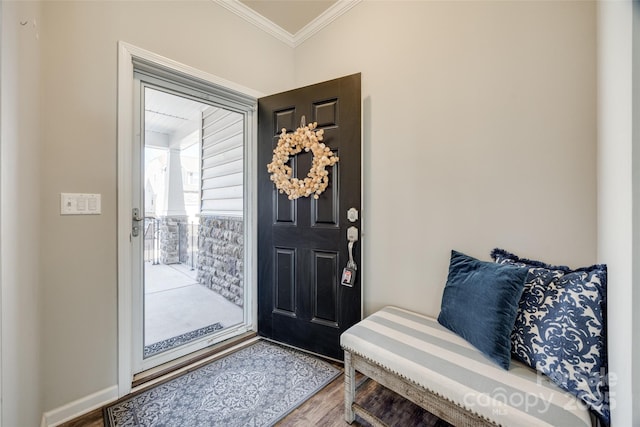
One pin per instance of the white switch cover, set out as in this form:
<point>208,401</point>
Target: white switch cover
<point>80,204</point>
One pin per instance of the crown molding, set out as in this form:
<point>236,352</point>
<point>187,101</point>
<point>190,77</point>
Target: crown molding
<point>336,10</point>
<point>253,17</point>
<point>332,13</point>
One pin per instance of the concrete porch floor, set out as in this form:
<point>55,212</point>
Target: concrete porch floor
<point>176,304</point>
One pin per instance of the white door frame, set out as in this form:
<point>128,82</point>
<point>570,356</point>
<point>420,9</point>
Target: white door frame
<point>127,53</point>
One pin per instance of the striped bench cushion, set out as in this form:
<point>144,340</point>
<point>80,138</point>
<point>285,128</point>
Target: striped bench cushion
<point>419,349</point>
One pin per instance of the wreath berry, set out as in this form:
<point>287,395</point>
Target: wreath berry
<point>308,139</point>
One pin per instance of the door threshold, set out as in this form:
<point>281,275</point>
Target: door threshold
<point>191,361</point>
<point>318,355</point>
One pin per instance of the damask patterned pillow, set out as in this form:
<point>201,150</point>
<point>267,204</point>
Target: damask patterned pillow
<point>560,327</point>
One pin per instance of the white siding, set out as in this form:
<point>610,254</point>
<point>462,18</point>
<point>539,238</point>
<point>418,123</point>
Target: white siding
<point>222,162</point>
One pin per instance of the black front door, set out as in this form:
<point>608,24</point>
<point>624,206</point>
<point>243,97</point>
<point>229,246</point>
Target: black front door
<point>302,243</point>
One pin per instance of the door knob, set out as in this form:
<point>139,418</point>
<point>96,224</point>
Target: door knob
<point>136,215</point>
<point>135,219</point>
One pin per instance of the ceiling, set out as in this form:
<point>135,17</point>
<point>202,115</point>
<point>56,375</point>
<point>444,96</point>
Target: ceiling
<point>166,113</point>
<point>290,15</point>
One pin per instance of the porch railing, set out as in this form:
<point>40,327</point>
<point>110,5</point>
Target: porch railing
<point>151,240</point>
<point>187,242</point>
<point>189,233</point>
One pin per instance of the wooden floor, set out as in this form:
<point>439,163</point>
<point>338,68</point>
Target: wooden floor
<point>326,408</point>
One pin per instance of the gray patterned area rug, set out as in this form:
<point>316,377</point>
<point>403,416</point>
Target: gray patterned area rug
<point>255,386</point>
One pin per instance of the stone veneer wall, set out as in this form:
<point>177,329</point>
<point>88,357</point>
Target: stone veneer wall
<point>173,243</point>
<point>221,256</point>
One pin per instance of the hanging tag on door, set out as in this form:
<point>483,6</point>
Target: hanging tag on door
<point>348,276</point>
<point>349,272</point>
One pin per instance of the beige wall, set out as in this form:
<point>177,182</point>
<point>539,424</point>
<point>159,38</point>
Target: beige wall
<point>79,268</point>
<point>479,131</point>
<point>19,214</point>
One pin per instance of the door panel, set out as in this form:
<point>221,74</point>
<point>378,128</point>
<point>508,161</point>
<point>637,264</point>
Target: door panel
<point>284,287</point>
<point>302,244</point>
<point>325,284</point>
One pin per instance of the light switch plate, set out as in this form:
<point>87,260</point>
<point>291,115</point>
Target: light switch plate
<point>80,204</point>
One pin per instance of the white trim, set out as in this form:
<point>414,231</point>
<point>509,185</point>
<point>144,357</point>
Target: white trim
<point>125,141</point>
<point>136,287</point>
<point>79,407</point>
<point>2,201</point>
<point>251,220</point>
<point>363,213</point>
<point>336,10</point>
<point>126,55</point>
<point>145,55</point>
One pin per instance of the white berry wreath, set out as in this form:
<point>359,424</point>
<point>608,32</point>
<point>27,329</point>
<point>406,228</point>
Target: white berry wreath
<point>308,139</point>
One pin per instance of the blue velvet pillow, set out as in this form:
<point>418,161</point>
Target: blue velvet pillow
<point>479,303</point>
<point>560,327</point>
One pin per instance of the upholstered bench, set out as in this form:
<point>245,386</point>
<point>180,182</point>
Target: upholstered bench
<point>416,357</point>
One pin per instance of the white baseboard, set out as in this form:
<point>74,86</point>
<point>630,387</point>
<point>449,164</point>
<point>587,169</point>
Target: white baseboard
<point>79,407</point>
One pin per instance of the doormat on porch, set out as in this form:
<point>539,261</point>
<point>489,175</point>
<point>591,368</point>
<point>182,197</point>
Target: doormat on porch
<point>255,386</point>
<point>168,344</point>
